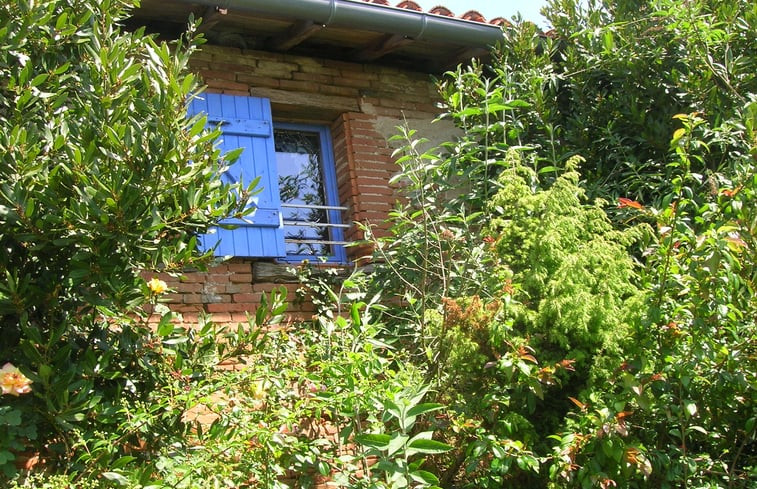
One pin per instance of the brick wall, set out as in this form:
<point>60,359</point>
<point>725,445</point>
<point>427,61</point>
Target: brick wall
<point>360,103</point>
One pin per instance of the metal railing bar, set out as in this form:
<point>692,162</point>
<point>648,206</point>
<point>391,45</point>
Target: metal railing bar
<point>307,206</point>
<point>315,224</point>
<point>315,241</point>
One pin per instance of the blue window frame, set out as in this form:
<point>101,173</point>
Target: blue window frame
<point>295,165</point>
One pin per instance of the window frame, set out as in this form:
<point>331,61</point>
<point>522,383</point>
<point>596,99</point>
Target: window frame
<point>331,191</point>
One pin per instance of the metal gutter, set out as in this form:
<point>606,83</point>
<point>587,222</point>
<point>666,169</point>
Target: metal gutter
<point>369,16</point>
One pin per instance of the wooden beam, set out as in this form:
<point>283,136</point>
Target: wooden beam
<point>304,99</point>
<point>298,32</point>
<point>281,273</point>
<point>212,16</point>
<point>384,45</point>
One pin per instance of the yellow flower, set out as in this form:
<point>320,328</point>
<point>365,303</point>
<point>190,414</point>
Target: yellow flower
<point>13,382</point>
<point>258,394</point>
<point>157,286</point>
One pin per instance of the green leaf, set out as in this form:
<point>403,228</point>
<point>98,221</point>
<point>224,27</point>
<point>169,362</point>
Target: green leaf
<point>39,79</point>
<point>424,408</point>
<point>122,462</point>
<point>378,440</point>
<point>397,443</point>
<point>424,476</point>
<point>116,477</point>
<point>165,326</point>
<point>528,462</point>
<point>428,447</point>
<point>6,456</point>
<point>690,407</point>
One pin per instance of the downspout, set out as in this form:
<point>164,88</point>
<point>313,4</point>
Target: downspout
<point>369,16</point>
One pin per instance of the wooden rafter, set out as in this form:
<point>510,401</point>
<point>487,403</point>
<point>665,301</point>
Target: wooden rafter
<point>296,34</point>
<point>212,16</point>
<point>384,45</point>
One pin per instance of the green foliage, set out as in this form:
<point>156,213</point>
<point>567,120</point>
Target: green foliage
<point>102,178</point>
<point>41,481</point>
<point>688,387</point>
<point>95,150</point>
<point>507,279</point>
<point>545,321</point>
<point>605,84</point>
<point>553,245</point>
<point>395,447</point>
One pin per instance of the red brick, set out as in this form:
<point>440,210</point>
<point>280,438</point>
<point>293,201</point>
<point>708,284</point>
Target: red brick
<point>241,317</point>
<point>194,277</point>
<point>218,75</point>
<point>360,117</point>
<point>319,69</point>
<point>343,65</point>
<point>258,81</point>
<point>213,298</point>
<point>362,74</point>
<point>226,85</point>
<point>239,267</point>
<point>362,82</point>
<point>225,307</point>
<point>366,125</point>
<point>313,77</point>
<point>336,90</point>
<point>247,298</point>
<point>224,51</point>
<point>184,287</point>
<point>262,55</point>
<point>300,86</point>
<point>240,65</point>
<point>264,287</point>
<point>276,69</point>
<point>240,278</point>
<point>221,317</point>
<point>186,308</point>
<point>238,288</point>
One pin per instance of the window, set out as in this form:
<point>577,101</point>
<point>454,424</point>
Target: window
<point>297,213</point>
<point>307,188</point>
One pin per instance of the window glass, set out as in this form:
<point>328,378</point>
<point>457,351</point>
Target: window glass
<point>299,157</point>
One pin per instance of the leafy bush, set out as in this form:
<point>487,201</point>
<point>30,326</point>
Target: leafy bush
<point>102,179</point>
<point>681,412</point>
<point>510,287</point>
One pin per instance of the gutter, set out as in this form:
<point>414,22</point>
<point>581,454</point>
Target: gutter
<point>420,26</point>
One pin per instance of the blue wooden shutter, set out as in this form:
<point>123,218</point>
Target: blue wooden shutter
<point>246,123</point>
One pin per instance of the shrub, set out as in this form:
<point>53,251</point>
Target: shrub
<point>102,179</point>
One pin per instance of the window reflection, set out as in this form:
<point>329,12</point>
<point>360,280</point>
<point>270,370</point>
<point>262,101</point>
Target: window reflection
<point>301,182</point>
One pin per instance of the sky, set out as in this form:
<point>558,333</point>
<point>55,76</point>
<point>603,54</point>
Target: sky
<point>490,9</point>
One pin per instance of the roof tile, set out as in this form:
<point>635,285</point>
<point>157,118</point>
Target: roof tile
<point>500,21</point>
<point>441,10</point>
<point>410,6</point>
<point>471,15</point>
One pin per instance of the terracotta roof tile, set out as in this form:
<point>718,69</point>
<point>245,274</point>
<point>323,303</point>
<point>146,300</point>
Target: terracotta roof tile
<point>441,10</point>
<point>500,21</point>
<point>471,15</point>
<point>410,6</point>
